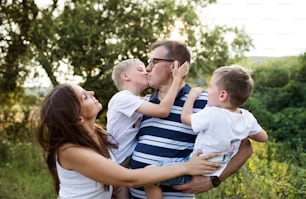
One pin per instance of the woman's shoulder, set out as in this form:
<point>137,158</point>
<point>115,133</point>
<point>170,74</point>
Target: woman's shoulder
<point>71,148</point>
<point>68,146</point>
<point>74,152</point>
<point>70,155</point>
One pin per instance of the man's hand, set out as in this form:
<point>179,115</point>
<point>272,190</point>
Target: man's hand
<point>197,185</point>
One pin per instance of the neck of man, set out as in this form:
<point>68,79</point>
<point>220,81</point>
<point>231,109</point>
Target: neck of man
<point>163,90</point>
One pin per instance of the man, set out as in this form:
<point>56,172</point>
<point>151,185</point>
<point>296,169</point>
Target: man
<point>161,139</point>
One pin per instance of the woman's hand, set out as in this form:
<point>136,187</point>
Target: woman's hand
<point>199,165</point>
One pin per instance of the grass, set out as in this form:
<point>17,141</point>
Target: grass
<point>23,173</point>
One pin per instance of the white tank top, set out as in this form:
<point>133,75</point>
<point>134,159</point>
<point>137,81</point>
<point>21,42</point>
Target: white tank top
<point>74,185</point>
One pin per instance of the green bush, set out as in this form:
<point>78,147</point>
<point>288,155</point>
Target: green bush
<point>272,77</point>
<point>263,177</point>
<point>279,101</point>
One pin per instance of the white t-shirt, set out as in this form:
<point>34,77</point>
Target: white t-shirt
<point>74,185</point>
<point>221,130</point>
<point>123,122</point>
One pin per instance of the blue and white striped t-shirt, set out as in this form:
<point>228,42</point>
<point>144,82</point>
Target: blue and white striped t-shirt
<point>164,139</point>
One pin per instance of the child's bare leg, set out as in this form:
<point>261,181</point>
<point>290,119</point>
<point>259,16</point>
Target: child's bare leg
<point>123,193</point>
<point>153,192</point>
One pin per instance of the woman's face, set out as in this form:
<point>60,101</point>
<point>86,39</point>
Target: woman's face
<point>90,106</point>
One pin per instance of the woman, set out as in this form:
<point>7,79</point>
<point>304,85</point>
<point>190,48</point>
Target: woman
<point>77,150</point>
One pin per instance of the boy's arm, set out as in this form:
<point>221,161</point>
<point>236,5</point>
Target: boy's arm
<point>163,108</point>
<point>188,106</point>
<point>262,136</point>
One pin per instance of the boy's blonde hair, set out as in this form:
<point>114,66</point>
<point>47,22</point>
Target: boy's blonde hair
<point>237,81</point>
<point>123,66</point>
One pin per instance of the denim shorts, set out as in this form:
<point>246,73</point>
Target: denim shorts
<point>178,180</point>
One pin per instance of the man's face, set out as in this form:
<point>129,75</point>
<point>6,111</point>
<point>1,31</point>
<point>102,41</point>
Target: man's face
<point>159,68</point>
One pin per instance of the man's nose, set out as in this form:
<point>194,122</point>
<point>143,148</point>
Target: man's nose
<point>149,68</point>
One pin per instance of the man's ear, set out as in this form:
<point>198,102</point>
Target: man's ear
<point>125,76</point>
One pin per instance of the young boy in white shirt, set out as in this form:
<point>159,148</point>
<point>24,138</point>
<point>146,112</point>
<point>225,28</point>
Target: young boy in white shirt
<point>221,124</point>
<point>125,108</point>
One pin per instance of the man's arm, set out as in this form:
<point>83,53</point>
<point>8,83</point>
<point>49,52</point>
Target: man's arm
<point>200,184</point>
<point>244,153</point>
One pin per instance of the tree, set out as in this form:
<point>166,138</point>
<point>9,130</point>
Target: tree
<point>90,36</point>
<point>16,21</point>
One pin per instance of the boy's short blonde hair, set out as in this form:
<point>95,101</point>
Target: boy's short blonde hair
<point>123,66</point>
<point>237,81</point>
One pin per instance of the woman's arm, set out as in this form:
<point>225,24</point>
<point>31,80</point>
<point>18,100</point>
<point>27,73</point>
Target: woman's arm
<point>163,108</point>
<point>97,167</point>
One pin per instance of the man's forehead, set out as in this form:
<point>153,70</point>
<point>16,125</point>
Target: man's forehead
<point>161,50</point>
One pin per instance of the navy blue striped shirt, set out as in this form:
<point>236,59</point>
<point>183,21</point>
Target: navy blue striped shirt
<point>161,139</point>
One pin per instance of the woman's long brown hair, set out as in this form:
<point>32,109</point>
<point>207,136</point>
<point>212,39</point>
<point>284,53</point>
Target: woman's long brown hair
<point>58,124</point>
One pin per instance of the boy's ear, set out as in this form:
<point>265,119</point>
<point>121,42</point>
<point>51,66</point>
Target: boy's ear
<point>124,76</point>
<point>223,96</point>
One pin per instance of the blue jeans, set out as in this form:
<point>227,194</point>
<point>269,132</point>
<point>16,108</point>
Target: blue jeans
<point>178,180</point>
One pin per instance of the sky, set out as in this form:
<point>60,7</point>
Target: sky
<point>277,27</point>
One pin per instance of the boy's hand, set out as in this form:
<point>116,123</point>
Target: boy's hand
<point>195,92</point>
<point>180,71</point>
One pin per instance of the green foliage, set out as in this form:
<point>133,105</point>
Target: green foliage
<point>261,177</point>
<point>16,21</point>
<point>16,115</point>
<point>301,75</point>
<point>91,36</point>
<point>288,126</point>
<point>258,109</point>
<point>23,174</point>
<point>279,101</point>
<point>271,77</point>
